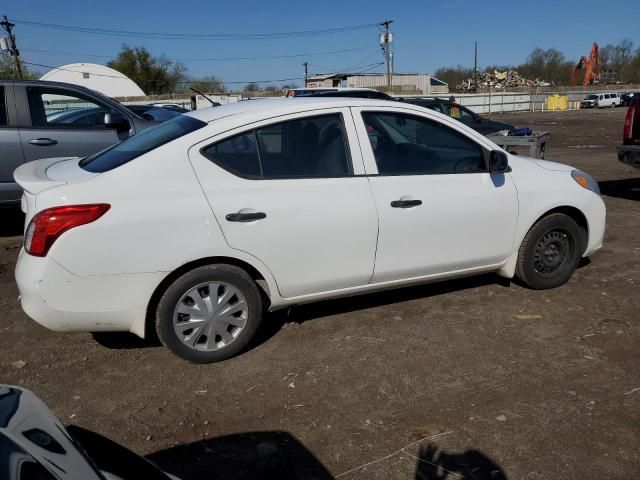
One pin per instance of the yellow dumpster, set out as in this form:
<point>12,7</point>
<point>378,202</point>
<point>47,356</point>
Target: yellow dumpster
<point>557,102</point>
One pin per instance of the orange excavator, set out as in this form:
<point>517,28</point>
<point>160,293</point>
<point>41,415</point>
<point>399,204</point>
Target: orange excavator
<point>592,64</point>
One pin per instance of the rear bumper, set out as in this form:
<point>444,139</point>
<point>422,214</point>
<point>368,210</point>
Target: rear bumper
<point>59,300</point>
<point>629,154</point>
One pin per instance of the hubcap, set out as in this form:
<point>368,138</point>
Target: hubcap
<point>210,316</point>
<point>553,252</point>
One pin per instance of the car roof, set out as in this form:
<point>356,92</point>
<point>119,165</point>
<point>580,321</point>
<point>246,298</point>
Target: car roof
<point>283,106</point>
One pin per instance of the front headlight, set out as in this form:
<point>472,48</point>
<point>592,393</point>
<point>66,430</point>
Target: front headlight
<point>585,181</point>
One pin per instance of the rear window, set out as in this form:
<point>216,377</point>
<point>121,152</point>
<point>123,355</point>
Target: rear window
<point>141,143</point>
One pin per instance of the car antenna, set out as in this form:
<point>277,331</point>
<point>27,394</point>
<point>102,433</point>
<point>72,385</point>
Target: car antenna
<point>214,104</point>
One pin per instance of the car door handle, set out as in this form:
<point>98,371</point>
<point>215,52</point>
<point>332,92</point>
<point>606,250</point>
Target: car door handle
<point>405,203</point>
<point>43,141</point>
<point>245,217</point>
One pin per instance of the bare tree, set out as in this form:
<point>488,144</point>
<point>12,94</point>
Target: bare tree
<point>208,84</point>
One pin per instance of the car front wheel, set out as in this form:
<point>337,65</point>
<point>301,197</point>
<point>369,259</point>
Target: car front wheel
<point>209,314</point>
<point>550,252</point>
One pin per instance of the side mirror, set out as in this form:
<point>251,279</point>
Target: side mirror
<point>499,162</point>
<point>117,121</point>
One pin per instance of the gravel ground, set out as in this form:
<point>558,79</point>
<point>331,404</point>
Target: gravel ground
<point>478,377</point>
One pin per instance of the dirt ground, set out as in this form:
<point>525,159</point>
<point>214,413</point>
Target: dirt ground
<point>475,378</point>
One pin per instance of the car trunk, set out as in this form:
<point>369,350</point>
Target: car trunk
<point>42,175</point>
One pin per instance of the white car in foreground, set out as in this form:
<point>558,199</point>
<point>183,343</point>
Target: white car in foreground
<point>197,225</point>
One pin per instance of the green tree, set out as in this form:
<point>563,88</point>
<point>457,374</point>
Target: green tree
<point>8,70</point>
<point>155,75</point>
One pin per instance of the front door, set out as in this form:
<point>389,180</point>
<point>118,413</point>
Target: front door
<point>440,210</point>
<point>291,193</point>
<point>63,123</point>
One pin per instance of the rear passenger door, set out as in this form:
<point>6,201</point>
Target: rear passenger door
<point>10,149</point>
<point>59,122</point>
<point>291,192</point>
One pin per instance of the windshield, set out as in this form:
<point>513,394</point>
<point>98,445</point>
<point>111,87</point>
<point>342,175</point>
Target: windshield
<point>591,97</point>
<point>141,143</point>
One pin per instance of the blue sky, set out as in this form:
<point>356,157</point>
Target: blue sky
<point>427,34</point>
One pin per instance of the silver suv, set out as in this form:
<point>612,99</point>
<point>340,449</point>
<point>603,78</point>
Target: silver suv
<point>48,119</point>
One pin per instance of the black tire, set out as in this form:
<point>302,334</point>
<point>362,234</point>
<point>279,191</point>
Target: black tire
<point>230,275</point>
<point>550,252</point>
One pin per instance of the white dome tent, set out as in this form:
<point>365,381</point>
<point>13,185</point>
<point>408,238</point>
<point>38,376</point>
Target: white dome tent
<point>103,79</point>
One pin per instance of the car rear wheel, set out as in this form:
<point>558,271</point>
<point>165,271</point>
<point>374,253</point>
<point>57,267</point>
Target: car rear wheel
<point>550,252</point>
<point>209,314</point>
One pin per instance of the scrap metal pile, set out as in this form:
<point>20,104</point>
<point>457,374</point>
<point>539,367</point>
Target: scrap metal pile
<point>506,79</point>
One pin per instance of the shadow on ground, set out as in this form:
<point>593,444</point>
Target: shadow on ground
<point>280,456</point>
<point>271,455</point>
<point>435,464</point>
<point>274,321</point>
<point>628,188</point>
<point>11,222</point>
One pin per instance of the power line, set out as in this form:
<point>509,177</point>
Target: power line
<point>186,82</point>
<point>197,36</point>
<point>156,80</point>
<point>353,67</point>
<point>213,59</point>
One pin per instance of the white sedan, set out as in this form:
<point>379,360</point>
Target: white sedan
<point>196,226</point>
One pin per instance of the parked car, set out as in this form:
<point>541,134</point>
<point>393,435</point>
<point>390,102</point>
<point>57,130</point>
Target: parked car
<point>480,124</point>
<point>154,113</point>
<point>196,225</point>
<point>601,100</point>
<point>350,92</point>
<point>49,119</point>
<point>626,98</point>
<point>338,92</point>
<point>172,106</point>
<point>34,445</point>
<point>629,151</point>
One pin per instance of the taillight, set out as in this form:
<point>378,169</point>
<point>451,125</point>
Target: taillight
<point>627,132</point>
<point>46,226</point>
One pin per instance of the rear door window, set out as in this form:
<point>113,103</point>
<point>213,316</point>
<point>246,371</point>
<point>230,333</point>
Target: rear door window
<point>302,148</point>
<point>238,155</point>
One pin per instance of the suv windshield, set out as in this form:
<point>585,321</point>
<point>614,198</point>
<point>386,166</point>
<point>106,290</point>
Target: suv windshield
<point>141,143</point>
<point>591,97</point>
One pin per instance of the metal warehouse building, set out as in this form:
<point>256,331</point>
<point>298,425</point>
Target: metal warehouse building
<point>409,83</point>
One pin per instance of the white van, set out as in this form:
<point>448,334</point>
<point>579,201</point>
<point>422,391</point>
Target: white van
<point>609,100</point>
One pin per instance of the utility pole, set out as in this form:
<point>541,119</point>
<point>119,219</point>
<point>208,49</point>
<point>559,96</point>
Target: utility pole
<point>11,41</point>
<point>385,40</point>
<point>306,72</point>
<point>475,66</point>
